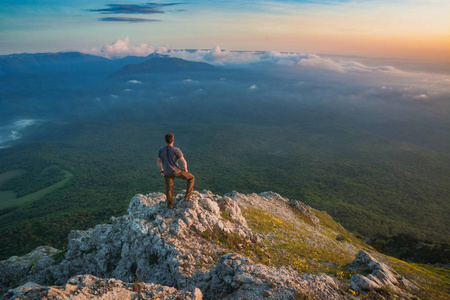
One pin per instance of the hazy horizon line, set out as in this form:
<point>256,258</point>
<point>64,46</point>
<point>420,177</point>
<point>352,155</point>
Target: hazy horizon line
<point>237,51</point>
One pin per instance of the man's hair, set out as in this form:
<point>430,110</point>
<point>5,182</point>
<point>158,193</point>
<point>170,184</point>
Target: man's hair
<point>169,138</point>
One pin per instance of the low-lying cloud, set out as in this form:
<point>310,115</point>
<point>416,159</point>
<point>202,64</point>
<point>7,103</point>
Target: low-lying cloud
<point>134,81</point>
<point>13,131</point>
<point>421,97</point>
<point>217,56</point>
<point>305,66</point>
<point>121,48</point>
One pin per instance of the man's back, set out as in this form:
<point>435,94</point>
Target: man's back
<point>170,156</point>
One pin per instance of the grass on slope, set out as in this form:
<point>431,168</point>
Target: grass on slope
<point>300,245</point>
<point>287,246</point>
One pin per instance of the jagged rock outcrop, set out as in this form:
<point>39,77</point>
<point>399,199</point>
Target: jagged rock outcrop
<point>155,243</point>
<point>188,252</point>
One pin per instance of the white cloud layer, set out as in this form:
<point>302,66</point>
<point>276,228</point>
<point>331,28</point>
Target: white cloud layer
<point>121,48</point>
<point>217,56</point>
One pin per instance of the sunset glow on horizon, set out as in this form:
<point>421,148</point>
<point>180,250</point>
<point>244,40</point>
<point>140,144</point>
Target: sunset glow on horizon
<point>407,29</point>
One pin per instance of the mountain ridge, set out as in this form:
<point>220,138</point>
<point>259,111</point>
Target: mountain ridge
<point>64,62</point>
<point>158,64</point>
<point>48,62</point>
<point>257,246</point>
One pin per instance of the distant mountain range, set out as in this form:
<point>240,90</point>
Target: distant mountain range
<point>76,63</point>
<point>50,63</point>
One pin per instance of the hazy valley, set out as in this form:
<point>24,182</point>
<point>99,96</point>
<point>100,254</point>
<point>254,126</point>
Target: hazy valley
<point>368,144</point>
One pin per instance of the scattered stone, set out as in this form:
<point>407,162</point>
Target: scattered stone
<point>339,237</point>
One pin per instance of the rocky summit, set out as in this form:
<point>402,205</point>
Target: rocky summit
<point>256,246</point>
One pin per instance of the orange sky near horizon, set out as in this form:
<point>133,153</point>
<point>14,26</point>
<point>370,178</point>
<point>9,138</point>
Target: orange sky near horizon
<point>417,48</point>
<point>405,29</point>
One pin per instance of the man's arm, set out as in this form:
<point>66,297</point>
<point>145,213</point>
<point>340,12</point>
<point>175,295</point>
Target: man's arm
<point>183,163</point>
<point>159,163</point>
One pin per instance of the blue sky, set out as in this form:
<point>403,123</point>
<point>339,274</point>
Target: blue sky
<point>397,28</point>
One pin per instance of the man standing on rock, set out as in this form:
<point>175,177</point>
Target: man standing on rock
<point>168,157</point>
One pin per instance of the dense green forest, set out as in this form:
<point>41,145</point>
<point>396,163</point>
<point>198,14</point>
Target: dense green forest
<point>369,183</point>
<point>407,248</point>
<point>371,147</point>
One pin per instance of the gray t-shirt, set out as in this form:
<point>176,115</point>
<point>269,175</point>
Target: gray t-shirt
<point>170,156</point>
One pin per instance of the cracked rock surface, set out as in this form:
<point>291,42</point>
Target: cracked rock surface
<point>158,253</point>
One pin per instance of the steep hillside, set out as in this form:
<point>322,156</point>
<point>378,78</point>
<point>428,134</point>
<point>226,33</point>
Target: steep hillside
<point>217,247</point>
